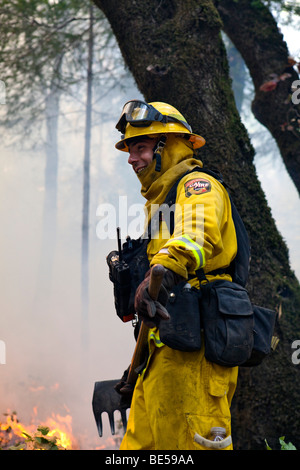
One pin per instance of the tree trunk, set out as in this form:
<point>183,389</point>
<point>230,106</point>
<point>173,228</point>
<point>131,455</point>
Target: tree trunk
<point>48,244</point>
<point>175,52</point>
<point>86,189</point>
<point>254,32</point>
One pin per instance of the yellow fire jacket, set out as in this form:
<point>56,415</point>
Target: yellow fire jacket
<point>204,234</point>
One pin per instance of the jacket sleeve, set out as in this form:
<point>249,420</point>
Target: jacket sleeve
<point>201,213</point>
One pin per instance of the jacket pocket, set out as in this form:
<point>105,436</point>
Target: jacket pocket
<point>199,432</point>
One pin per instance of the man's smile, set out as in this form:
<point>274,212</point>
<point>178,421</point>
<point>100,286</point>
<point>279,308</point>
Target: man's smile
<point>139,169</point>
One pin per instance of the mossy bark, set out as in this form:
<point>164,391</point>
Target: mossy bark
<point>254,32</point>
<point>175,53</point>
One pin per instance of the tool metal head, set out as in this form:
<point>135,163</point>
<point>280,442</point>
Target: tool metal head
<point>106,399</point>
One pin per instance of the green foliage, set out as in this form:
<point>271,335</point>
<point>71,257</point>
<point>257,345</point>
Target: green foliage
<point>290,6</point>
<point>39,440</point>
<point>283,445</point>
<point>43,52</point>
<point>257,4</point>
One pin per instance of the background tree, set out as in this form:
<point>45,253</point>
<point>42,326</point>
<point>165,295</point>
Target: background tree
<point>175,53</point>
<point>53,51</point>
<point>36,38</point>
<point>86,182</point>
<point>252,28</point>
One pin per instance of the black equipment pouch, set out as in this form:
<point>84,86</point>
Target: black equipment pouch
<point>119,274</point>
<point>183,330</point>
<point>227,319</point>
<point>263,329</point>
<point>126,274</point>
<point>236,332</point>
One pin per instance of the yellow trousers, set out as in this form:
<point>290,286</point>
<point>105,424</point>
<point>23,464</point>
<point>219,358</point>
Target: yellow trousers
<point>180,394</point>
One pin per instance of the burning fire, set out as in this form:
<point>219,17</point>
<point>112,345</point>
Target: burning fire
<point>59,432</point>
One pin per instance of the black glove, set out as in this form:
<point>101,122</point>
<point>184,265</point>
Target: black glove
<point>125,390</point>
<point>152,311</point>
<point>122,381</point>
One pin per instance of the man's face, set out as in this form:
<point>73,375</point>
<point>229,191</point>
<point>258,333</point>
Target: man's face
<point>141,154</point>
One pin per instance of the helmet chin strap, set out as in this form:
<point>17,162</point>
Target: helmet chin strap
<point>158,150</point>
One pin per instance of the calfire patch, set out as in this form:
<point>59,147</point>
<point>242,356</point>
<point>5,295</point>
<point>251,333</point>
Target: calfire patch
<point>197,186</point>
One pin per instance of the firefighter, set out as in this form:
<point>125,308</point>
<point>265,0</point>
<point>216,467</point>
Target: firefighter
<point>179,393</point>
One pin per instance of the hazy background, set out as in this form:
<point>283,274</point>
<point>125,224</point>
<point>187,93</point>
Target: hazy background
<point>47,368</point>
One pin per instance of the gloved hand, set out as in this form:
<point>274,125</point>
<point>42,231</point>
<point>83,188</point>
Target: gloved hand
<point>152,311</point>
<point>125,390</point>
<point>122,381</point>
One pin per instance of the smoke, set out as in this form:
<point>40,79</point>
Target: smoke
<point>47,366</point>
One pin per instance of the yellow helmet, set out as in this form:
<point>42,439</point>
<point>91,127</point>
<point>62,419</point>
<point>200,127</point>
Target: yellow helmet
<point>139,118</point>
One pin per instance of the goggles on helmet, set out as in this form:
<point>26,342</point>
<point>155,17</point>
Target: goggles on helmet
<point>140,114</point>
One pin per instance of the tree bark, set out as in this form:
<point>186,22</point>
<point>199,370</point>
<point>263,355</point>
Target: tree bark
<point>175,53</point>
<point>254,32</point>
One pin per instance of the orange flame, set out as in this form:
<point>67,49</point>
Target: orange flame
<point>60,427</point>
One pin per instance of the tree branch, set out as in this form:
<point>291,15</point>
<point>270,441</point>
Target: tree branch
<point>255,34</point>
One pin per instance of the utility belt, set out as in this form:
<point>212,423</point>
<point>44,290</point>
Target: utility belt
<point>235,332</point>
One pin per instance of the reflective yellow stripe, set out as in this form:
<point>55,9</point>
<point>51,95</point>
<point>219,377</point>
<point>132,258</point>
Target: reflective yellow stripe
<point>156,339</point>
<point>191,245</point>
<point>164,250</point>
<point>157,343</point>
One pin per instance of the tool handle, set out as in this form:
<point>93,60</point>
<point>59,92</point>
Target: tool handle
<point>156,277</point>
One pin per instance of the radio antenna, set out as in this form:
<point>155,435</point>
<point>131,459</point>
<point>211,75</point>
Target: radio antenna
<point>119,244</point>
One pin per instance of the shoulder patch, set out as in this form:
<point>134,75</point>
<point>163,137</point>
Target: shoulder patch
<point>197,186</point>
